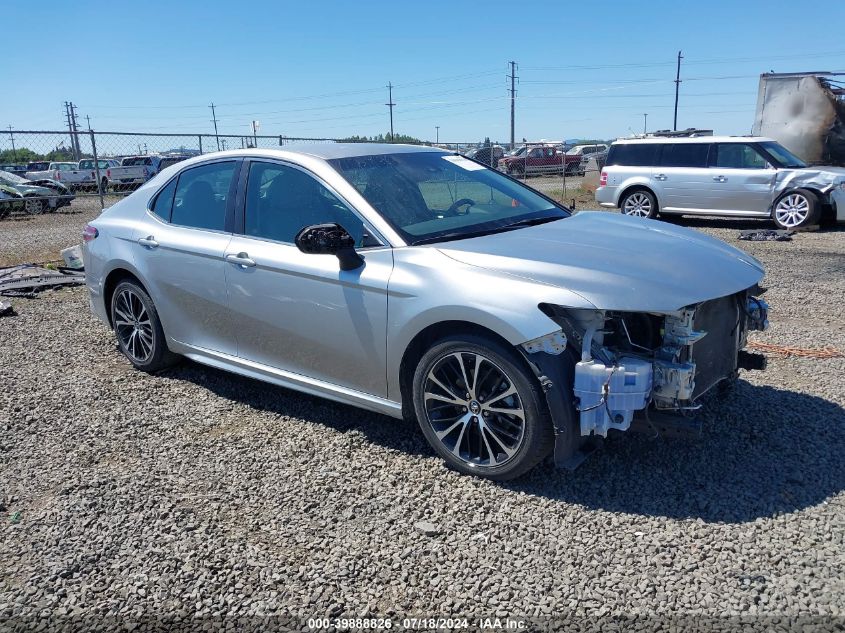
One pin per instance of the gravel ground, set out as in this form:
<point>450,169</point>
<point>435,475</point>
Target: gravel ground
<point>195,493</point>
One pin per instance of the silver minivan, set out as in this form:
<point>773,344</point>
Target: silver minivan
<point>719,176</point>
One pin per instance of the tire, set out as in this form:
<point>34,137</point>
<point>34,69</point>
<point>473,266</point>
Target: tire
<point>796,209</point>
<point>639,203</point>
<point>34,206</point>
<point>138,329</point>
<point>104,186</point>
<point>492,443</point>
<point>517,171</point>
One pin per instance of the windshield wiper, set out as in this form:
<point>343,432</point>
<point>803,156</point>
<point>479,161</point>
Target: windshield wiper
<point>463,235</point>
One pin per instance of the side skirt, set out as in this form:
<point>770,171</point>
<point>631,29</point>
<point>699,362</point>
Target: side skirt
<point>287,379</point>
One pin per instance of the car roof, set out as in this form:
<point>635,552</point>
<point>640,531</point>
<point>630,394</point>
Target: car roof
<point>695,139</point>
<point>324,151</point>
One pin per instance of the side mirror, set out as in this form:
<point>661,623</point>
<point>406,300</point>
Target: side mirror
<point>330,239</point>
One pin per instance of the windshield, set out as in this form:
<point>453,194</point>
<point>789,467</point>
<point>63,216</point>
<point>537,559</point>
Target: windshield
<point>12,179</point>
<point>781,156</point>
<point>519,151</point>
<point>428,196</point>
<point>575,151</point>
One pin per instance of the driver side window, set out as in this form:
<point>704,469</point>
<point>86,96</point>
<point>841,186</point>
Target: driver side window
<point>282,200</point>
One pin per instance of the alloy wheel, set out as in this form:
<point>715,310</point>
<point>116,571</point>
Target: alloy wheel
<point>792,210</point>
<point>33,206</point>
<point>637,204</point>
<point>474,409</point>
<point>133,326</point>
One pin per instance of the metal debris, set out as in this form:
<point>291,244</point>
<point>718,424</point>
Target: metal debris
<point>6,309</point>
<point>766,235</point>
<point>27,279</point>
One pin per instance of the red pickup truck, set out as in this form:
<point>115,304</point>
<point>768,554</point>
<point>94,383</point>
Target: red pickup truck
<point>535,159</point>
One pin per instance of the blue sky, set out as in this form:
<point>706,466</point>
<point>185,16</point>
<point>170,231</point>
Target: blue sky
<point>320,68</point>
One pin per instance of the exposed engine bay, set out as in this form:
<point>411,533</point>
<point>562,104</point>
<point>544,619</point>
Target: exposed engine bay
<point>631,361</point>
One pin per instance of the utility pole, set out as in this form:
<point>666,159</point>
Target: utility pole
<point>436,134</point>
<point>645,123</point>
<point>70,127</point>
<point>14,151</point>
<point>77,154</point>
<point>513,79</point>
<point>88,120</point>
<point>214,119</point>
<point>390,105</point>
<point>677,84</point>
<point>255,133</point>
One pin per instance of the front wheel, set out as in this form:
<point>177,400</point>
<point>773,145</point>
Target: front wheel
<point>34,206</point>
<point>139,333</point>
<point>639,204</point>
<point>796,210</point>
<point>480,408</point>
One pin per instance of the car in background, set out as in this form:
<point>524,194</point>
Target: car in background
<point>10,200</point>
<point>37,165</point>
<point>578,156</point>
<point>36,198</point>
<point>18,170</point>
<point>103,164</point>
<point>67,173</point>
<point>489,155</point>
<point>732,176</point>
<point>533,160</point>
<point>134,171</point>
<point>413,281</point>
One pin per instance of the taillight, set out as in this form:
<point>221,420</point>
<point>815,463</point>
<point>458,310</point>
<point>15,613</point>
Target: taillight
<point>89,233</point>
<point>146,172</point>
<point>57,175</point>
<point>108,174</point>
<point>603,179</point>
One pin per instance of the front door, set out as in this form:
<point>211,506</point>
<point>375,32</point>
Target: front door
<point>742,179</point>
<point>298,312</point>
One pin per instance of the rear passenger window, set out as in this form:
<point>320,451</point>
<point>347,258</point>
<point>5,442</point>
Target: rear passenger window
<point>738,156</point>
<point>163,203</point>
<point>684,155</point>
<point>201,195</point>
<point>634,154</point>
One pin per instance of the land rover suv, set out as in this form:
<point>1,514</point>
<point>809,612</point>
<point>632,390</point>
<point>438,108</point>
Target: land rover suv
<point>719,176</point>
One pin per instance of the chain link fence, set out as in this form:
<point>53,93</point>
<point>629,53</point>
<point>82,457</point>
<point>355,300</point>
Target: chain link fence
<point>43,171</point>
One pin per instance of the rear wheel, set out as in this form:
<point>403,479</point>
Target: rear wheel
<point>104,186</point>
<point>138,329</point>
<point>480,408</point>
<point>797,209</point>
<point>640,203</point>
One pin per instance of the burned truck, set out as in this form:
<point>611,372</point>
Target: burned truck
<point>805,112</point>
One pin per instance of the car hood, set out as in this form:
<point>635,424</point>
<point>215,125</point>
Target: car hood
<point>616,262</point>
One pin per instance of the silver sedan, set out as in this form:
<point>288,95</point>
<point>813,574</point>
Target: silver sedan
<point>415,282</point>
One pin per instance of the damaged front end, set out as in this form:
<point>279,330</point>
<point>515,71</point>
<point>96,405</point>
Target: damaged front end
<point>624,364</point>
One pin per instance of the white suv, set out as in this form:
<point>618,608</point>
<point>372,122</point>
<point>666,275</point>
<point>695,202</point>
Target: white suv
<point>721,176</point>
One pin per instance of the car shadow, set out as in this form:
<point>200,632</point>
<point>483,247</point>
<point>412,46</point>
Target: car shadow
<point>763,452</point>
<point>740,224</point>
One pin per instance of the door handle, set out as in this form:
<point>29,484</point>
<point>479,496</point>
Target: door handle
<point>660,176</point>
<point>241,259</point>
<point>719,178</point>
<point>148,241</point>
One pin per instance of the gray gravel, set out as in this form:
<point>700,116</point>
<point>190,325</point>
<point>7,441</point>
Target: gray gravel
<point>197,492</point>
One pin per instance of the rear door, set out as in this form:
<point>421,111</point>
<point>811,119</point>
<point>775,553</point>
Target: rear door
<point>682,180</point>
<point>743,180</point>
<point>180,252</point>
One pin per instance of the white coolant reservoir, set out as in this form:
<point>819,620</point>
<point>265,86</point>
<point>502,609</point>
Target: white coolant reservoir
<point>609,395</point>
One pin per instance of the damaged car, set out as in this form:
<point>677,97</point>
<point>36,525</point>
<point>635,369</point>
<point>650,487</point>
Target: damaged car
<point>37,196</point>
<point>417,283</point>
<point>728,176</point>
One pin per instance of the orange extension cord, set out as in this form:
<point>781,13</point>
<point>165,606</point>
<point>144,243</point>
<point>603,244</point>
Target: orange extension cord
<point>801,352</point>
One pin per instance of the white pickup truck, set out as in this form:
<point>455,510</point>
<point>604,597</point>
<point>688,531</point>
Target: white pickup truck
<point>132,172</point>
<point>104,165</point>
<point>66,173</point>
